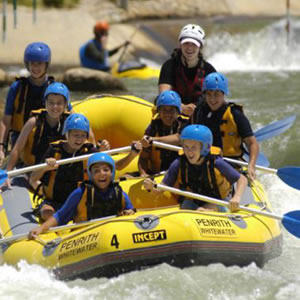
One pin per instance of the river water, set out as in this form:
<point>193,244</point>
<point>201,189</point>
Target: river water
<point>264,76</point>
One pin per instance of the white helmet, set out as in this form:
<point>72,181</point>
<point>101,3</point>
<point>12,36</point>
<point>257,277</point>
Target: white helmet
<point>192,33</point>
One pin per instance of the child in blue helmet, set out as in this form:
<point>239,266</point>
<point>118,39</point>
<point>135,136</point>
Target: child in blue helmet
<point>229,125</point>
<point>26,93</point>
<point>44,126</point>
<point>58,182</point>
<point>163,128</point>
<point>99,197</point>
<point>202,170</point>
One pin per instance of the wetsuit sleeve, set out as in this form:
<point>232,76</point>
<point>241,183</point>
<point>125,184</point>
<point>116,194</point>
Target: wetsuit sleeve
<point>167,73</point>
<point>231,174</point>
<point>114,51</point>
<point>128,203</point>
<point>172,173</point>
<point>68,210</point>
<point>93,52</point>
<point>243,124</point>
<point>208,68</point>
<point>10,99</point>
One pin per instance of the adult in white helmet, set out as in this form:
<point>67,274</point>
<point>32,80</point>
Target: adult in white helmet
<point>184,72</point>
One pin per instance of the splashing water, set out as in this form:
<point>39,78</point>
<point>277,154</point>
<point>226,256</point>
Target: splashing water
<point>265,50</point>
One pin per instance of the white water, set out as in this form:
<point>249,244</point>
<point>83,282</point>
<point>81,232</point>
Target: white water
<point>265,50</point>
<point>279,279</point>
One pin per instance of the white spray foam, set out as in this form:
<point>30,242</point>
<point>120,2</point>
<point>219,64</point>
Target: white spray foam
<point>266,50</point>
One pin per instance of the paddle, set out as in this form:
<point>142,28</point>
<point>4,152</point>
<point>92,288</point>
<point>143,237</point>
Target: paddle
<point>4,174</point>
<point>261,160</point>
<point>274,129</point>
<point>290,220</point>
<point>267,132</point>
<point>126,46</point>
<point>289,175</point>
<point>24,236</point>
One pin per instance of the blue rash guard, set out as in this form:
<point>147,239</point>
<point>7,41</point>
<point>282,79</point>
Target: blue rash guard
<point>68,211</point>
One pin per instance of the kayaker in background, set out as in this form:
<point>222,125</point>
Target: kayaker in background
<point>162,129</point>
<point>99,197</point>
<point>57,182</point>
<point>227,121</point>
<point>94,53</point>
<point>185,71</point>
<point>202,170</point>
<point>44,127</point>
<point>25,94</point>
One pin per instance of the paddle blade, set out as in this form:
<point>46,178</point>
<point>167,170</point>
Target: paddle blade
<point>262,160</point>
<point>290,175</point>
<point>3,176</point>
<point>291,222</point>
<point>274,129</point>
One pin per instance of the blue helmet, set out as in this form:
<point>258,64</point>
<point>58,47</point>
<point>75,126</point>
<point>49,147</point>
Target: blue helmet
<point>216,81</point>
<point>37,52</point>
<point>101,158</point>
<point>169,98</point>
<point>57,88</point>
<point>77,122</point>
<point>199,133</point>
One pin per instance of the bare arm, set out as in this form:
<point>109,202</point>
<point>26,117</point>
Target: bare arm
<point>149,185</point>
<point>125,161</point>
<point>164,87</point>
<point>253,148</point>
<point>236,199</point>
<point>37,175</point>
<point>20,144</point>
<point>142,162</point>
<point>51,222</point>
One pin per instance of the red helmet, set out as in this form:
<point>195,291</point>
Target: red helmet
<point>101,27</point>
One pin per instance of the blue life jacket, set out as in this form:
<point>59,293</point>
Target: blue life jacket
<point>91,63</point>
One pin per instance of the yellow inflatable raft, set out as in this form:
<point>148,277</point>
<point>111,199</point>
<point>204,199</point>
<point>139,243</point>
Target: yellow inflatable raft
<point>132,69</point>
<point>119,119</point>
<point>155,234</point>
<point>159,231</point>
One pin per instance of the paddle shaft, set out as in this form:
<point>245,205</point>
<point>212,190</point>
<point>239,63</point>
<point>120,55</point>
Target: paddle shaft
<point>24,236</point>
<point>130,39</point>
<point>64,161</point>
<point>238,162</point>
<point>214,201</point>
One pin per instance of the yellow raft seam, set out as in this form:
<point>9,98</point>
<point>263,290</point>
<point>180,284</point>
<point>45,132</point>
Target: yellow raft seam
<point>112,96</point>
